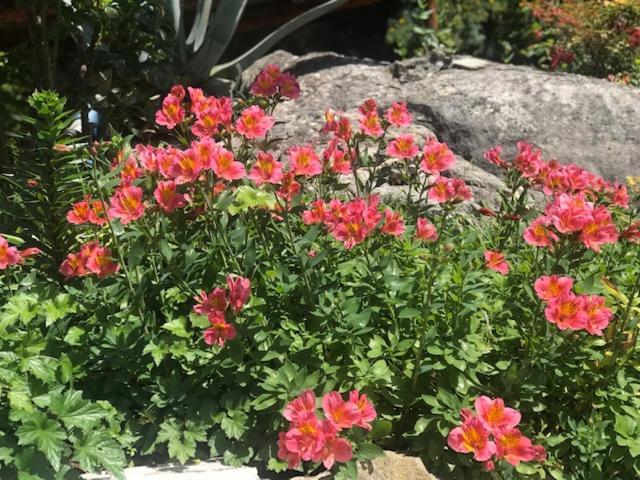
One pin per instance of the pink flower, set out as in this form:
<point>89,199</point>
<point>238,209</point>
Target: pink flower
<point>225,166</point>
<point>317,213</point>
<point>496,261</point>
<point>446,190</point>
<point>367,411</point>
<point>368,106</point>
<point>72,266</point>
<point>350,223</point>
<point>528,160</point>
<point>8,255</point>
<point>300,409</point>
<point>306,439</point>
<point>203,151</point>
<point>340,413</point>
<point>126,204</point>
<point>266,169</point>
<point>436,157</point>
<point>98,214</point>
<point>293,459</point>
<point>598,315</point>
<point>167,197</point>
<point>567,312</point>
<point>254,123</point>
<point>537,234</point>
<point>130,171</point>
<point>599,230</point>
<point>304,161</point>
<point>493,155</point>
<point>514,447</point>
<point>211,303</point>
<point>569,213</point>
<point>338,159</point>
<point>171,112</point>
<point>79,213</point>
<point>620,196</point>
<point>425,230</point>
<point>335,449</point>
<point>370,125</point>
<point>186,167</point>
<point>147,156</point>
<point>393,223</point>
<point>494,415</point>
<point>403,146</point>
<point>549,288</point>
<point>220,331</point>
<point>100,261</point>
<point>239,291</point>
<point>472,437</point>
<point>267,81</point>
<point>398,115</point>
<point>289,86</point>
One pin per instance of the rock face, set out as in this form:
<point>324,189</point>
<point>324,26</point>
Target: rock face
<point>392,466</point>
<point>474,104</point>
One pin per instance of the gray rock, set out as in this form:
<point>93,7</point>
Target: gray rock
<point>392,466</point>
<point>473,104</point>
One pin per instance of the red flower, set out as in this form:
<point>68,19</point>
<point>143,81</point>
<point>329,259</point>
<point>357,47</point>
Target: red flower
<point>538,234</point>
<point>370,125</point>
<point>300,409</point>
<point>212,303</point>
<point>340,413</point>
<point>494,415</point>
<point>436,157</point>
<point>598,315</point>
<point>304,161</point>
<point>8,255</point>
<point>496,261</point>
<point>514,447</point>
<point>425,230</point>
<point>220,331</point>
<point>225,166</point>
<point>549,288</point>
<point>99,260</point>
<point>239,292</point>
<point>398,115</point>
<point>403,146</point>
<point>472,437</point>
<point>393,223</point>
<point>126,204</point>
<point>171,112</point>
<point>266,169</point>
<point>254,123</point>
<point>365,408</point>
<point>567,312</point>
<point>79,213</point>
<point>167,197</point>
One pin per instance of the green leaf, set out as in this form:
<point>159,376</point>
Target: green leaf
<point>381,428</point>
<point>347,471</point>
<point>41,366</point>
<point>74,335</point>
<point>47,435</point>
<point>74,411</point>
<point>248,197</point>
<point>178,327</point>
<point>157,351</point>
<point>369,451</point>
<point>57,308</point>
<point>234,424</point>
<point>97,448</point>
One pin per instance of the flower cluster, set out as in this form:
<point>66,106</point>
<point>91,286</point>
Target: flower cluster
<point>10,256</point>
<point>310,438</point>
<point>570,311</point>
<point>219,302</point>
<point>491,432</point>
<point>271,81</point>
<point>92,258</point>
<point>87,211</point>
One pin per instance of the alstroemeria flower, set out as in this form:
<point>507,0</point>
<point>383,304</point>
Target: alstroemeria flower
<point>340,413</point>
<point>254,123</point>
<point>494,415</point>
<point>472,437</point>
<point>127,204</point>
<point>549,288</point>
<point>496,261</point>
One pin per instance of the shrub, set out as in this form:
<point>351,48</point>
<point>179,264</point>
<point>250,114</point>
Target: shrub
<point>219,283</point>
<point>593,38</point>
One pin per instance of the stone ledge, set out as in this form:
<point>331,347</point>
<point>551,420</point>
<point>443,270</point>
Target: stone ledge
<point>201,471</point>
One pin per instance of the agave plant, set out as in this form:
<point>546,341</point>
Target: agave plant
<point>200,51</point>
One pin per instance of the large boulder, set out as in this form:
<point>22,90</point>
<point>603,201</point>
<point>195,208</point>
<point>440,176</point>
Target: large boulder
<point>474,104</point>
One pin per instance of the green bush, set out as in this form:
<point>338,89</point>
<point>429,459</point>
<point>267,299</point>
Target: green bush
<point>424,306</point>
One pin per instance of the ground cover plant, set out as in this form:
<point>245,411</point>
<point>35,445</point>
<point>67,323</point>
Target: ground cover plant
<point>214,293</point>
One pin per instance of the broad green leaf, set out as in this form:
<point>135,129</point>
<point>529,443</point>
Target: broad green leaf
<point>74,335</point>
<point>96,449</point>
<point>57,308</point>
<point>368,451</point>
<point>74,411</point>
<point>177,326</point>
<point>47,435</point>
<point>41,366</point>
<point>234,424</point>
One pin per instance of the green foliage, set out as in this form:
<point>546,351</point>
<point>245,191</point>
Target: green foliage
<point>96,371</point>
